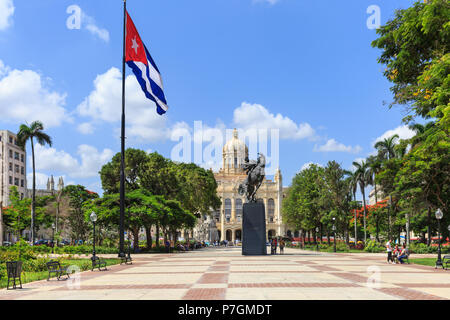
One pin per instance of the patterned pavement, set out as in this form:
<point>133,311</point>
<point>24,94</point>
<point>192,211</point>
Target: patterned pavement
<point>224,274</point>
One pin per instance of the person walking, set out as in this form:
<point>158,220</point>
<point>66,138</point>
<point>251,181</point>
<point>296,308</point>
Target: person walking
<point>282,244</point>
<point>389,251</point>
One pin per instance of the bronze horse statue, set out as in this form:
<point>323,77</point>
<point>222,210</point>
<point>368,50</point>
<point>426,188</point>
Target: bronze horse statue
<point>255,176</point>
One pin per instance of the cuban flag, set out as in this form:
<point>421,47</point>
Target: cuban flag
<point>140,61</point>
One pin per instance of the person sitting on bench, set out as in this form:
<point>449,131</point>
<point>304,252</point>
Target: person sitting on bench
<point>403,254</point>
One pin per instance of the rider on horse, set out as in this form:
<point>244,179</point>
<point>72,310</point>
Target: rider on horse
<point>255,176</point>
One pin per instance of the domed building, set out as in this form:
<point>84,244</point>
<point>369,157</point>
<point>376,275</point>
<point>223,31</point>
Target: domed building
<point>228,220</point>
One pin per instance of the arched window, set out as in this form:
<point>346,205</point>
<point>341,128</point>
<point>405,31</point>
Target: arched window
<point>229,235</point>
<point>271,210</point>
<point>238,205</point>
<point>227,210</point>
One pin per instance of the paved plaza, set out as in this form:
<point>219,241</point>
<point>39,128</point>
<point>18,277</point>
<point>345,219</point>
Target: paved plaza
<point>224,274</point>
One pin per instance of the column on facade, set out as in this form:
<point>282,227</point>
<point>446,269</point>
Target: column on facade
<point>278,206</point>
<point>233,235</point>
<point>222,220</point>
<point>265,209</point>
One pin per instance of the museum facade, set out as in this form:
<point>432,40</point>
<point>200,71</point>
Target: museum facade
<point>227,221</point>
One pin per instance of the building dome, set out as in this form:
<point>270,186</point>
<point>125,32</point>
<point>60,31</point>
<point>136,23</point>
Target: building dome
<point>234,153</point>
<point>235,145</point>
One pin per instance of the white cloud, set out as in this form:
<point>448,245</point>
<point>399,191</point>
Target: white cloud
<point>255,116</point>
<point>308,164</point>
<point>41,180</point>
<point>333,146</point>
<point>52,160</point>
<point>403,132</point>
<point>91,161</point>
<point>86,128</point>
<point>6,13</point>
<point>90,25</point>
<point>3,68</point>
<point>24,97</point>
<point>104,103</point>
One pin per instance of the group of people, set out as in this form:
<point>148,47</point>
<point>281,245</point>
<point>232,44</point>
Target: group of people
<point>396,254</point>
<point>274,243</point>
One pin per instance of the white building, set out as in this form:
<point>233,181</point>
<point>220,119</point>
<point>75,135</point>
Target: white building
<point>226,222</point>
<point>13,170</point>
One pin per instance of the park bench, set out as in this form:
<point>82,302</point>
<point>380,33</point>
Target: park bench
<point>98,263</point>
<point>56,268</point>
<point>14,271</point>
<point>125,258</point>
<point>446,261</point>
<point>405,260</point>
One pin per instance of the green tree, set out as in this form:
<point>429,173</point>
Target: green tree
<point>18,215</point>
<point>135,162</point>
<point>363,177</point>
<point>304,206</point>
<point>34,131</point>
<point>415,50</point>
<point>386,151</point>
<point>78,196</point>
<point>338,194</point>
<point>353,187</point>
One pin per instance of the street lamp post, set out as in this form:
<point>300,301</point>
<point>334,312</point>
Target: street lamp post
<point>93,218</point>
<point>53,238</point>
<point>439,216</point>
<point>334,231</point>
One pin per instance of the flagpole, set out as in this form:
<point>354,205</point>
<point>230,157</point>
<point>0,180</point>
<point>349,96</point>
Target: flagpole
<point>122,154</point>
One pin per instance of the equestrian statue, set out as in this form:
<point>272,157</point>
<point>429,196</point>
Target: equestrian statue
<point>255,177</point>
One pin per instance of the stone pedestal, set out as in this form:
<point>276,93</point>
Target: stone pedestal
<point>254,230</point>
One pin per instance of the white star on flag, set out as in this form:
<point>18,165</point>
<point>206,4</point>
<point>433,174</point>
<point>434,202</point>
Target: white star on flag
<point>135,46</point>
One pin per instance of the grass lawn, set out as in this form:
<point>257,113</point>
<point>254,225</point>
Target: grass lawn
<point>84,264</point>
<point>424,261</point>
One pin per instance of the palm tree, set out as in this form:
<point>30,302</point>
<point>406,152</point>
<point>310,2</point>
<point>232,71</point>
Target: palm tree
<point>35,130</point>
<point>353,186</point>
<point>362,177</point>
<point>386,150</point>
<point>374,164</point>
<point>419,129</point>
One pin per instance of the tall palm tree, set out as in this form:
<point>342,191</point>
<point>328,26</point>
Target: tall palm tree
<point>353,186</point>
<point>386,150</point>
<point>374,164</point>
<point>34,131</point>
<point>362,177</point>
<point>386,147</point>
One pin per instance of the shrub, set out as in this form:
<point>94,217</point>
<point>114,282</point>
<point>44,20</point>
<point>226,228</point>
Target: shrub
<point>422,248</point>
<point>374,247</point>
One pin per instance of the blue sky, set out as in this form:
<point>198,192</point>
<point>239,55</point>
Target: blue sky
<point>304,67</point>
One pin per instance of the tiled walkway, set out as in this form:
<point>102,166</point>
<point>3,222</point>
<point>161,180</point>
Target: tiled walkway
<point>223,273</point>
